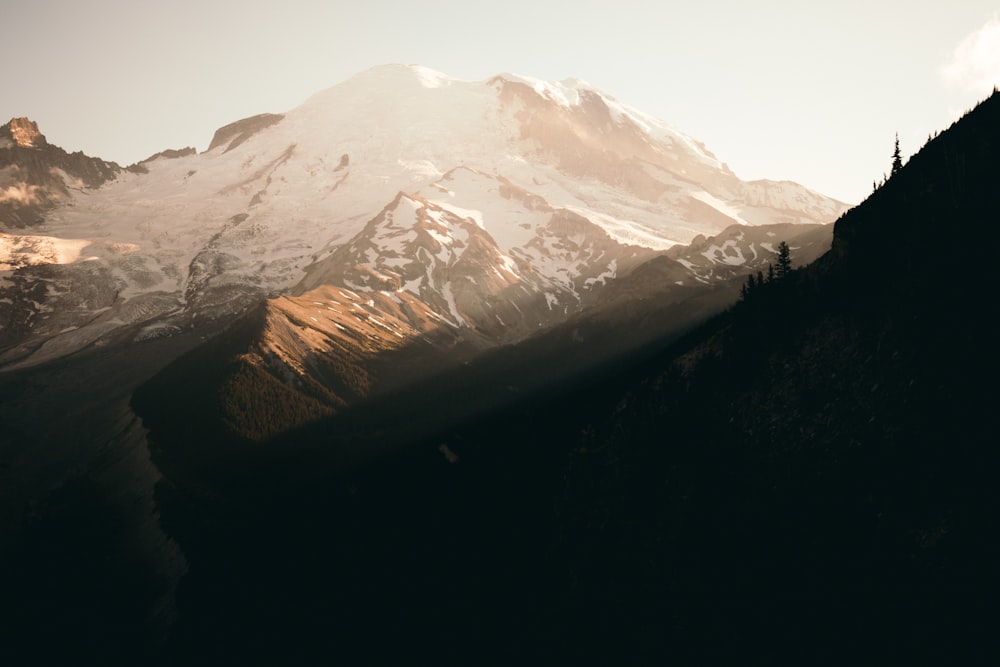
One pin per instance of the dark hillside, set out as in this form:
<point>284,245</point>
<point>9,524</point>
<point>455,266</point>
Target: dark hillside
<point>814,477</point>
<point>810,478</point>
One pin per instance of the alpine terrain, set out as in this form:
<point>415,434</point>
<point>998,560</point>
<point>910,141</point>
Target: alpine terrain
<point>308,303</point>
<point>501,206</point>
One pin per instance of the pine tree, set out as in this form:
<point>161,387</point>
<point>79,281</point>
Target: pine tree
<point>770,272</point>
<point>749,287</point>
<point>897,158</point>
<point>784,261</point>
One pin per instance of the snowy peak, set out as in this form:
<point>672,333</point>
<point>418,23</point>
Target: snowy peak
<point>416,247</point>
<point>484,253</point>
<point>603,115</point>
<point>410,111</point>
<point>397,76</point>
<point>502,205</point>
<point>401,127</point>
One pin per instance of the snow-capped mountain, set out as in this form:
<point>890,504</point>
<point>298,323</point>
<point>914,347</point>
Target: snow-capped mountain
<point>500,205</point>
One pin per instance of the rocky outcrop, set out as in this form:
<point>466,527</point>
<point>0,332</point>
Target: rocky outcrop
<point>171,154</point>
<point>234,134</point>
<point>512,204</point>
<point>22,132</point>
<point>35,175</point>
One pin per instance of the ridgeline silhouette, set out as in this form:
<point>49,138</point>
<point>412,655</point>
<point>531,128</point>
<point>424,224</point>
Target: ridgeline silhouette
<point>807,478</point>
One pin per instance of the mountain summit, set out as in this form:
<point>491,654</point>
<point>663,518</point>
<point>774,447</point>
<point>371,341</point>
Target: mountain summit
<point>504,204</point>
<point>350,369</point>
<point>22,132</point>
<point>808,477</point>
<point>37,177</point>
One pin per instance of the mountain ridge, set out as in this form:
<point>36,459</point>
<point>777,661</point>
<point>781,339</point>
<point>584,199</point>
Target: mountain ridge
<point>168,314</point>
<point>171,243</point>
<point>809,477</point>
<point>36,176</point>
<point>839,512</point>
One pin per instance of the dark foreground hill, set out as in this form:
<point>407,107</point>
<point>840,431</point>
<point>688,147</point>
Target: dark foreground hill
<point>810,478</point>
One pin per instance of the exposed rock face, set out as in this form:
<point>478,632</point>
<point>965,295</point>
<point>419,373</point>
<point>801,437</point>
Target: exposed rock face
<point>397,231</point>
<point>740,250</point>
<point>586,140</point>
<point>22,132</point>
<point>234,134</point>
<point>171,154</point>
<point>36,176</point>
<point>504,206</point>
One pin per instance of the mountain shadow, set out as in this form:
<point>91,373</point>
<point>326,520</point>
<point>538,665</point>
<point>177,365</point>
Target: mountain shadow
<point>808,478</point>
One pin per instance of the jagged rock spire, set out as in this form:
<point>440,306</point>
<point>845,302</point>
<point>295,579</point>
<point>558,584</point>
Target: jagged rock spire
<point>23,132</point>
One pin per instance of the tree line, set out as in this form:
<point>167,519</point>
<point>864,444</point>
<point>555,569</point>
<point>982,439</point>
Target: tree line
<point>775,272</point>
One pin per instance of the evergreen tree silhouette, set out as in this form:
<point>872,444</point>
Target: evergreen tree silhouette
<point>784,261</point>
<point>897,158</point>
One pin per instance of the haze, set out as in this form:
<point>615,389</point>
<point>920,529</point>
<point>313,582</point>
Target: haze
<point>782,90</point>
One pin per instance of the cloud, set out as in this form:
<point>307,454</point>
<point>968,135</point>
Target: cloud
<point>975,64</point>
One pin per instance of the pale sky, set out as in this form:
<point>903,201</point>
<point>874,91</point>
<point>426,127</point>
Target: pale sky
<point>810,92</point>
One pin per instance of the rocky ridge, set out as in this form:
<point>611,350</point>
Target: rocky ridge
<point>36,176</point>
<point>503,205</point>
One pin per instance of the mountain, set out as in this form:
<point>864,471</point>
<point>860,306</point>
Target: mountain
<point>298,359</point>
<point>523,199</point>
<point>216,363</point>
<point>36,176</point>
<point>808,477</point>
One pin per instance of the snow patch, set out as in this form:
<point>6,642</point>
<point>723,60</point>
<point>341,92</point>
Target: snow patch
<point>626,232</point>
<point>431,78</point>
<point>449,296</point>
<point>611,272</point>
<point>722,207</point>
<point>728,253</point>
<point>17,251</point>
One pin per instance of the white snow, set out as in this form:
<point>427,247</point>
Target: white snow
<point>611,272</point>
<point>722,207</point>
<point>296,191</point>
<point>449,296</point>
<point>728,253</point>
<point>431,78</point>
<point>567,94</point>
<point>22,250</point>
<point>627,232</point>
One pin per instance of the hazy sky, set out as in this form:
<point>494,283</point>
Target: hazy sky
<point>812,92</point>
